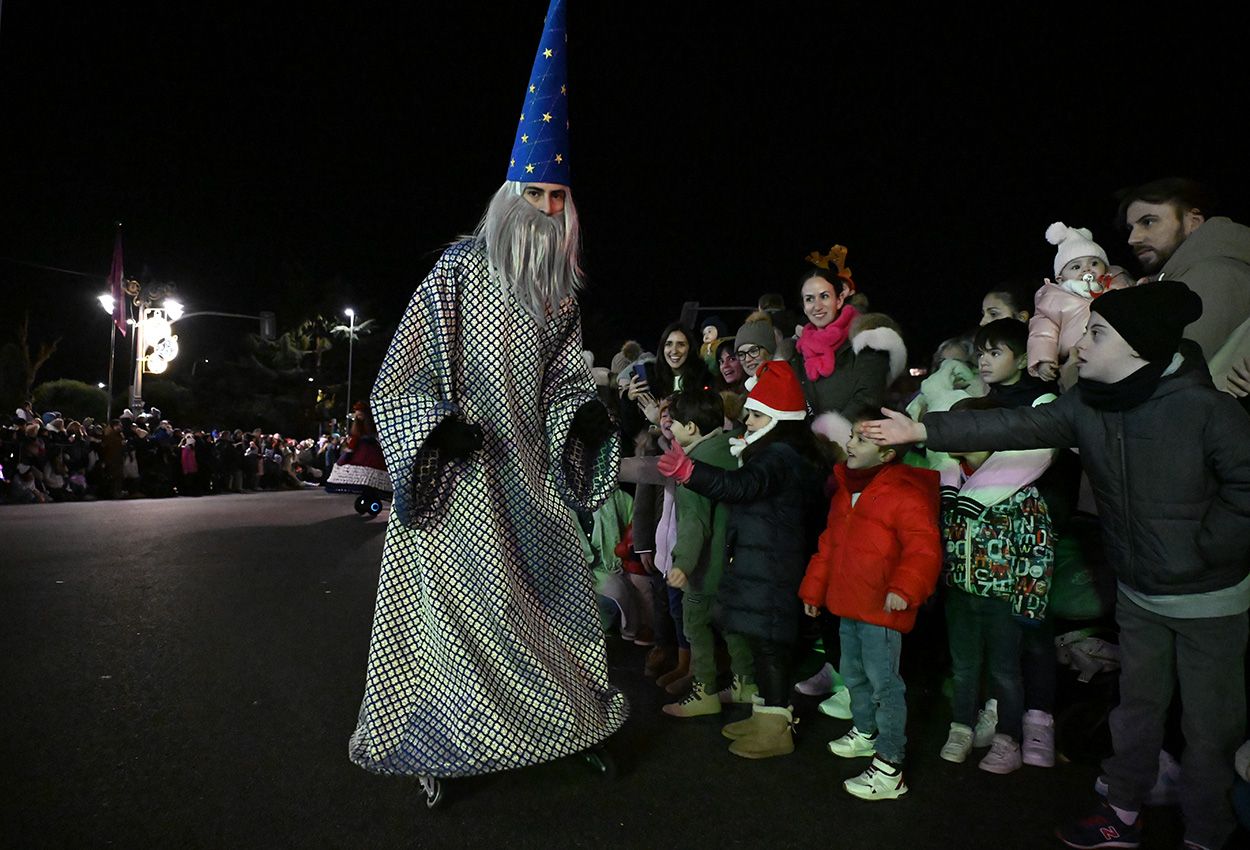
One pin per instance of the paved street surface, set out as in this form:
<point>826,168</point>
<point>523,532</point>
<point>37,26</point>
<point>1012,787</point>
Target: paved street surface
<point>186,673</point>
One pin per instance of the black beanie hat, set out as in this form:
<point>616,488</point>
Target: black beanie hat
<point>1151,317</point>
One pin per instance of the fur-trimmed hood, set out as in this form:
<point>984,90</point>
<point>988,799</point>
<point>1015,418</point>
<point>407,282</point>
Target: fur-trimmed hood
<point>880,333</point>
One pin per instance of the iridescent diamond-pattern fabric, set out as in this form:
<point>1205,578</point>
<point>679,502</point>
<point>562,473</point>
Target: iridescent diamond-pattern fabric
<point>486,652</point>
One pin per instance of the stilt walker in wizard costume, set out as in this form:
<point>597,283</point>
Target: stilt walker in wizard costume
<point>486,652</point>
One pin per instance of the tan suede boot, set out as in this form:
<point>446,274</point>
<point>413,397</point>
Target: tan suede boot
<point>770,736</point>
<point>740,728</point>
<point>680,671</point>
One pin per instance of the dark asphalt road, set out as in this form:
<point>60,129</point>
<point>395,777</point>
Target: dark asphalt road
<point>186,672</point>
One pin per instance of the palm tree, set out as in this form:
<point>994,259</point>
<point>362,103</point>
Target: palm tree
<point>312,336</point>
<point>361,328</point>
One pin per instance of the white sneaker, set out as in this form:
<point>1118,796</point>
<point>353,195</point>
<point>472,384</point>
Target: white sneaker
<point>819,684</point>
<point>853,744</point>
<point>838,705</point>
<point>881,781</point>
<point>1003,757</point>
<point>958,743</point>
<point>987,723</point>
<point>1039,739</point>
<point>739,692</point>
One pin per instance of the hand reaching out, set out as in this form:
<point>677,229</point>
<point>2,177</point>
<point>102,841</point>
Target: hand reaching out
<point>675,464</point>
<point>895,430</point>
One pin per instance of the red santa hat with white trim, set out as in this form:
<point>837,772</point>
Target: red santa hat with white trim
<point>777,392</point>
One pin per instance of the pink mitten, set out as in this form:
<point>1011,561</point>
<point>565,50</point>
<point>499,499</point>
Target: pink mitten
<point>675,464</point>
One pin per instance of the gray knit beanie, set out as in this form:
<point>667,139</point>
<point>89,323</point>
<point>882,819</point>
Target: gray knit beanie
<point>756,333</point>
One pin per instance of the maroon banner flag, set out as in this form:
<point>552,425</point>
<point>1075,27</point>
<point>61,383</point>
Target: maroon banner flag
<point>115,285</point>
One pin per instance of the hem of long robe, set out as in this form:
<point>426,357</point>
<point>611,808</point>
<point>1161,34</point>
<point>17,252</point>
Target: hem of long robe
<point>405,764</point>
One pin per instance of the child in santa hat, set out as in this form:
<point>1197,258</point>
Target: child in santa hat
<point>776,513</point>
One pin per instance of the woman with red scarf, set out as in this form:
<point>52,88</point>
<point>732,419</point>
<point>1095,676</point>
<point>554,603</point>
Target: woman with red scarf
<point>845,359</point>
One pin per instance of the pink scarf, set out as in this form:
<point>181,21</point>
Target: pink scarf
<point>820,345</point>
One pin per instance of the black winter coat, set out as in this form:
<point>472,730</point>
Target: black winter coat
<point>1171,476</point>
<point>777,511</point>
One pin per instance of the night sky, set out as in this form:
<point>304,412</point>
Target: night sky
<point>304,157</point>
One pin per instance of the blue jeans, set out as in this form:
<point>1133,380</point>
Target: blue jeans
<point>983,630</point>
<point>878,696</point>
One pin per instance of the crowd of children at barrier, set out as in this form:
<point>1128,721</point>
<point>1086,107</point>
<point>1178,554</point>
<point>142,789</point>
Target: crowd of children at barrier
<point>1070,461</point>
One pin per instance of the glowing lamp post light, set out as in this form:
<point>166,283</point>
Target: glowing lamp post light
<point>107,303</point>
<point>351,337</point>
<point>157,343</point>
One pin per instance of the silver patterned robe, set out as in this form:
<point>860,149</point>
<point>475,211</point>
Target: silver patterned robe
<point>486,652</point>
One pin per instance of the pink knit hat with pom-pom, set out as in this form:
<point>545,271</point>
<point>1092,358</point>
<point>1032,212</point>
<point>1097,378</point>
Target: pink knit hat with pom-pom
<point>1073,242</point>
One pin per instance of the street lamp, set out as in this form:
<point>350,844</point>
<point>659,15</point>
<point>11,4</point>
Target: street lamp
<point>351,338</point>
<point>108,304</point>
<point>155,331</point>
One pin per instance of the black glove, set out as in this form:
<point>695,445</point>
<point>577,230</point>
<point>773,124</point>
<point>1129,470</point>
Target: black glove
<point>592,425</point>
<point>456,439</point>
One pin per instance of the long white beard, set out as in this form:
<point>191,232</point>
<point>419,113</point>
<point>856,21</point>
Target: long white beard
<point>534,255</point>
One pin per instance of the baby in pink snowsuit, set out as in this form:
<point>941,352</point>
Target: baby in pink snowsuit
<point>1062,306</point>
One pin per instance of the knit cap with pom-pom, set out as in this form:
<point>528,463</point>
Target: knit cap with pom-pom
<point>1073,242</point>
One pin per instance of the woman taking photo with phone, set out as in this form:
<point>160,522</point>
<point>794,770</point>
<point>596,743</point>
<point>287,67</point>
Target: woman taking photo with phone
<point>677,367</point>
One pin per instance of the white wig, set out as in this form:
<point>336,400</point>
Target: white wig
<point>535,256</point>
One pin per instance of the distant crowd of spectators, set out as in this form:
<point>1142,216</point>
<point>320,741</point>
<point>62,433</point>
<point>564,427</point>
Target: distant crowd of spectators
<point>45,458</point>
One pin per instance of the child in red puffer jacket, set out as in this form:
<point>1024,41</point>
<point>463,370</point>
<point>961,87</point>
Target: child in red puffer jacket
<point>878,561</point>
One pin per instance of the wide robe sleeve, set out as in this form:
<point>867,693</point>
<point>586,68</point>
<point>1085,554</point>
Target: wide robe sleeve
<point>584,479</point>
<point>416,389</point>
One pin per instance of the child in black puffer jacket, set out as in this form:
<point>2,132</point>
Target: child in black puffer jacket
<point>777,513</point>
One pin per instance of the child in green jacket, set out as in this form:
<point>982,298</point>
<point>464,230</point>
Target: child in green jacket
<point>699,557</point>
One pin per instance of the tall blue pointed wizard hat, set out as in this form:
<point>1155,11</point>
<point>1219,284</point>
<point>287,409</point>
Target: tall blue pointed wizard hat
<point>540,153</point>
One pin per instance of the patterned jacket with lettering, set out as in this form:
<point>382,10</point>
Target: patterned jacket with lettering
<point>1004,551</point>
